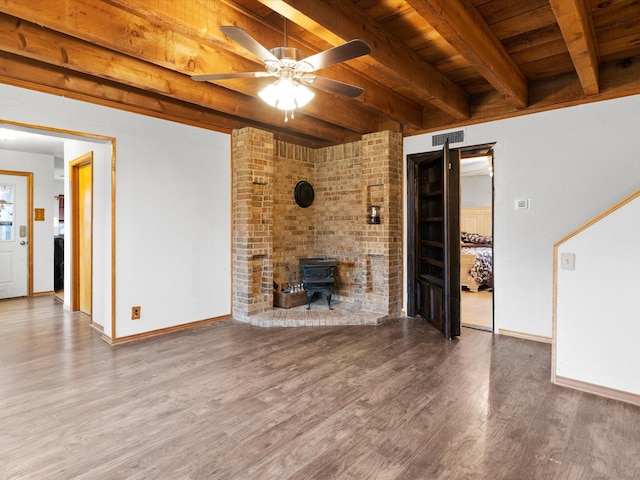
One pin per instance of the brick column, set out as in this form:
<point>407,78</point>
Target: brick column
<point>252,157</point>
<point>382,177</point>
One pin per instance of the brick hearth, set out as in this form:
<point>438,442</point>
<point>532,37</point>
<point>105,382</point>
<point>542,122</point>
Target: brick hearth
<point>343,313</point>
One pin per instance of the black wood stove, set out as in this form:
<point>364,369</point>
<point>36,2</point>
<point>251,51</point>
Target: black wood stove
<point>318,276</point>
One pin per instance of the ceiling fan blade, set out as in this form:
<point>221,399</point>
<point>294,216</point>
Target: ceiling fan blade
<point>341,53</point>
<point>226,76</point>
<point>249,43</point>
<point>333,86</point>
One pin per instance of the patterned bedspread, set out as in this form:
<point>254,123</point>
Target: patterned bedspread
<point>482,270</point>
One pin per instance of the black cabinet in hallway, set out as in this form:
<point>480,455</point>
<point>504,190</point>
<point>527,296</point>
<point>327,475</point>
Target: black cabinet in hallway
<point>58,262</point>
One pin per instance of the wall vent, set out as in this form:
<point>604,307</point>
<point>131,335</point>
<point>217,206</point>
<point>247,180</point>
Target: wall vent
<point>453,137</point>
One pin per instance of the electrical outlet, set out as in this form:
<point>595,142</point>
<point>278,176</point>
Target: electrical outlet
<point>135,313</point>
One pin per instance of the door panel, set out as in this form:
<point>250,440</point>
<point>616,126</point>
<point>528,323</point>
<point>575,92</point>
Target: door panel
<point>81,178</point>
<point>14,238</point>
<point>434,239</point>
<point>84,231</point>
<point>452,242</point>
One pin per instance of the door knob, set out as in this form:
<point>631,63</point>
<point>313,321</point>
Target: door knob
<point>23,242</point>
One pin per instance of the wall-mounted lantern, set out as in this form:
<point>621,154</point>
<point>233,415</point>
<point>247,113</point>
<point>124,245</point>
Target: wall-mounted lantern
<point>374,214</point>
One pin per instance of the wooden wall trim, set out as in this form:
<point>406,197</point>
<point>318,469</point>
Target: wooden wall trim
<point>525,336</point>
<point>163,331</point>
<point>596,219</point>
<point>45,293</point>
<point>29,178</point>
<point>612,393</point>
<point>97,327</point>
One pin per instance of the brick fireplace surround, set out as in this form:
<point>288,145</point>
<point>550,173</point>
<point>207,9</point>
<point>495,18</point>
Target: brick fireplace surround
<point>271,232</point>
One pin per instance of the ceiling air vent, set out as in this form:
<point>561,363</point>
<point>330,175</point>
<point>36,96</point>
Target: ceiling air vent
<point>453,137</point>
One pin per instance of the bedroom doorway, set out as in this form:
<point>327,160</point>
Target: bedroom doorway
<point>476,236</point>
<point>433,239</point>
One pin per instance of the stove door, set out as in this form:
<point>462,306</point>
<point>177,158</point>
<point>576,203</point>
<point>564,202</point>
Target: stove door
<point>317,274</point>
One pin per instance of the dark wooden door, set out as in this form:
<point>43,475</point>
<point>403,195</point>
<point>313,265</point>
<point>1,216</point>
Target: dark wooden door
<point>434,239</point>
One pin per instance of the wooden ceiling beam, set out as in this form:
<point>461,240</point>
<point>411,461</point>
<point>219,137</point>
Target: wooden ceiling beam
<point>26,73</point>
<point>202,21</point>
<point>617,79</point>
<point>338,21</point>
<point>108,26</point>
<point>465,29</point>
<point>31,41</point>
<point>577,31</point>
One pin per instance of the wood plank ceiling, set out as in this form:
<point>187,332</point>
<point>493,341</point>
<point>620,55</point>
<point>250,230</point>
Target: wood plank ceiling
<point>434,64</point>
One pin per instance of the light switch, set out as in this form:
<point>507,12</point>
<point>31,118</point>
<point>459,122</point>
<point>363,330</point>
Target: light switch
<point>568,261</point>
<point>522,204</point>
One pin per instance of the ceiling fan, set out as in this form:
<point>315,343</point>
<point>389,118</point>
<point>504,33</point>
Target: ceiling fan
<point>293,71</point>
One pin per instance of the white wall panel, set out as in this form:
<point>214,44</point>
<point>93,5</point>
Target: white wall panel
<point>173,226</point>
<point>573,164</point>
<point>598,315</point>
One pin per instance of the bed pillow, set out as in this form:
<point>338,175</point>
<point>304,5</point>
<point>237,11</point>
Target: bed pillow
<point>475,239</point>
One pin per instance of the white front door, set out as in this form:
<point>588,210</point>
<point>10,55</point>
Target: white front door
<point>13,236</point>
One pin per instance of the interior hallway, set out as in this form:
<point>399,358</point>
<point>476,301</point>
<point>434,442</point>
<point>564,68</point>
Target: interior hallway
<point>235,401</point>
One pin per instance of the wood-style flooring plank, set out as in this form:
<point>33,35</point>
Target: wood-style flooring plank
<point>233,401</point>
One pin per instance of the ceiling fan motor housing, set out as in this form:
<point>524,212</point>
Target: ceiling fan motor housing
<point>289,57</point>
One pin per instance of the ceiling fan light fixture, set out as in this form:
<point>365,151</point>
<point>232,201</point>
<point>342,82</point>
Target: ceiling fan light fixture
<point>286,94</point>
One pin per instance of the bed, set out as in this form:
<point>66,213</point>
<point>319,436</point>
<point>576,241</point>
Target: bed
<point>476,251</point>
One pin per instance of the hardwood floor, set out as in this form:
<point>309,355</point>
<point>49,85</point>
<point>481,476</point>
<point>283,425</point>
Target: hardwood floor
<point>234,401</point>
<point>476,309</point>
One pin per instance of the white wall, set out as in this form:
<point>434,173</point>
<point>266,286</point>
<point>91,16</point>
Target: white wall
<point>598,313</point>
<point>43,192</point>
<point>101,235</point>
<point>173,221</point>
<point>572,164</point>
<point>174,224</point>
<point>475,191</point>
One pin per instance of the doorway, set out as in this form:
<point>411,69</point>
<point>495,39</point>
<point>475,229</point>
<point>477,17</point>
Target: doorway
<point>63,145</point>
<point>81,185</point>
<point>435,240</point>
<point>16,250</point>
<point>476,231</point>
